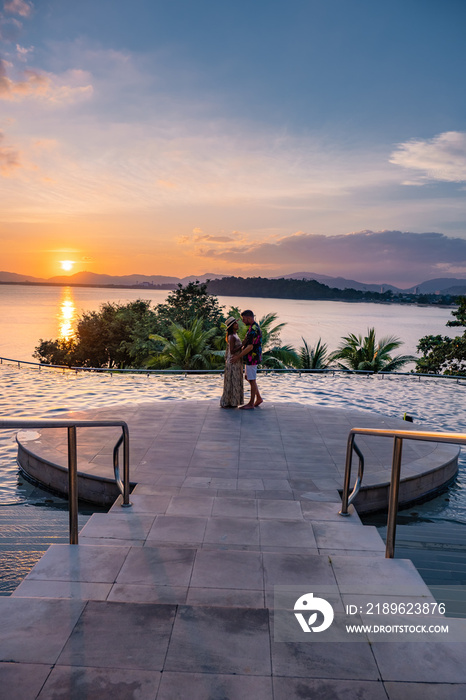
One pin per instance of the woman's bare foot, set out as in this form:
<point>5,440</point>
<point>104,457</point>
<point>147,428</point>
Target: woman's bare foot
<point>258,402</point>
<point>247,406</point>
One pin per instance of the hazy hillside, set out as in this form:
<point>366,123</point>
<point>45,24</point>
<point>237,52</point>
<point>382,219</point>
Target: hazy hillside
<point>93,278</point>
<point>444,285</point>
<point>339,282</point>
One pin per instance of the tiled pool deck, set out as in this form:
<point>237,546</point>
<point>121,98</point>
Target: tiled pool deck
<point>173,598</point>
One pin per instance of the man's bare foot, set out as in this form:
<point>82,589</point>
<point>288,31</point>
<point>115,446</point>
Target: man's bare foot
<point>258,402</point>
<point>247,406</point>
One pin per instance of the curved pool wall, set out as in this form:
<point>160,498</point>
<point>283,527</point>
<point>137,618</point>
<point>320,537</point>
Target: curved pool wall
<point>98,490</point>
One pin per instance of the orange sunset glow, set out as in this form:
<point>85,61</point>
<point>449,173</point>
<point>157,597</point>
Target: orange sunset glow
<point>67,315</point>
<point>169,152</point>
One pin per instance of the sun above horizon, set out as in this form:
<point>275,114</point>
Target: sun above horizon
<point>67,265</point>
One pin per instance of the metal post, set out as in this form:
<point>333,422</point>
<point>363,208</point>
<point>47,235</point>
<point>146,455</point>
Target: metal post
<point>73,483</point>
<point>126,502</point>
<point>393,498</point>
<point>346,484</point>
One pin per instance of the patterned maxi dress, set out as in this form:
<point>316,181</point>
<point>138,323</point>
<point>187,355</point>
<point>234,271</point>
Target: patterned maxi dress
<point>233,392</point>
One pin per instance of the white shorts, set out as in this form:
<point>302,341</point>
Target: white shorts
<point>251,371</point>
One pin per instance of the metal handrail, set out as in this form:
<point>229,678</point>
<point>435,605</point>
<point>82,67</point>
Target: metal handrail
<point>399,436</point>
<point>71,425</point>
<point>349,454</point>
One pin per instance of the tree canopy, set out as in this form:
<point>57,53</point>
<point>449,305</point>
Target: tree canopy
<point>130,335</point>
<point>185,304</point>
<point>365,353</point>
<point>188,331</point>
<point>444,355</point>
<point>116,336</point>
<point>187,348</point>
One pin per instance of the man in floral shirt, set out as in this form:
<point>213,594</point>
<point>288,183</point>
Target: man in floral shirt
<point>252,352</point>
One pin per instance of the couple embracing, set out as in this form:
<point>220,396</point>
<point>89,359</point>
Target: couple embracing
<point>250,350</point>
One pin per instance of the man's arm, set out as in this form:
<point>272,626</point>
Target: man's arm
<point>237,358</point>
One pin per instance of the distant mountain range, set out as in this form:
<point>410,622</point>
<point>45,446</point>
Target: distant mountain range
<point>443,285</point>
<point>92,278</point>
<point>339,282</point>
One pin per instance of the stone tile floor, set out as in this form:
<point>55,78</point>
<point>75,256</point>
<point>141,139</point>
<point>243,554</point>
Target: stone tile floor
<point>175,598</point>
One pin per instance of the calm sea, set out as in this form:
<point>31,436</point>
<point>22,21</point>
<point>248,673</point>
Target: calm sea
<point>28,314</point>
<point>32,519</point>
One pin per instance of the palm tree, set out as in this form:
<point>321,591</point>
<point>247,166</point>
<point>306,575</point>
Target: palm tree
<point>313,358</point>
<point>274,354</point>
<point>356,352</point>
<point>188,348</point>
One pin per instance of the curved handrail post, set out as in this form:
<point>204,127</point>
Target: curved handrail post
<point>346,484</point>
<point>393,497</point>
<point>123,484</point>
<point>73,483</point>
<point>126,502</point>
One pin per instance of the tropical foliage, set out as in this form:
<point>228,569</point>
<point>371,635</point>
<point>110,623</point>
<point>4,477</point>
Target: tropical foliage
<point>123,335</point>
<point>187,348</point>
<point>444,355</point>
<point>115,336</point>
<point>313,358</point>
<point>188,332</point>
<point>185,304</point>
<point>365,353</point>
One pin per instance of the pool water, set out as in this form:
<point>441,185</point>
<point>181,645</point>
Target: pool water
<point>32,518</point>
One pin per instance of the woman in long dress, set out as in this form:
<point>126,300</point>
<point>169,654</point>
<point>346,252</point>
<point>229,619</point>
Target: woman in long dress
<point>233,392</point>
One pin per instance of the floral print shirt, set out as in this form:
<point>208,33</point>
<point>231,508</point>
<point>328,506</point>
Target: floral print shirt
<point>254,338</point>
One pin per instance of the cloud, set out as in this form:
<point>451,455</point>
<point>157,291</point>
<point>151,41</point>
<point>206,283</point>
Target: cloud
<point>51,88</point>
<point>216,239</point>
<point>18,7</point>
<point>9,159</point>
<point>141,149</point>
<point>22,52</point>
<point>442,158</point>
<point>10,28</point>
<point>371,256</point>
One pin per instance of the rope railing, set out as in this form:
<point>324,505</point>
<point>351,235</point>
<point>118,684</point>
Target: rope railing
<point>264,370</point>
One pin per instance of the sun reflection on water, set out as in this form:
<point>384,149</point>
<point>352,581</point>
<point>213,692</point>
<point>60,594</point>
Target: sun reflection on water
<point>67,315</point>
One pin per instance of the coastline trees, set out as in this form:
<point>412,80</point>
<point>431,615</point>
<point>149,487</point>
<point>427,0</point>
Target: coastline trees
<point>188,332</point>
<point>365,353</point>
<point>187,348</point>
<point>313,358</point>
<point>115,336</point>
<point>442,354</point>
<point>185,304</point>
<point>122,335</point>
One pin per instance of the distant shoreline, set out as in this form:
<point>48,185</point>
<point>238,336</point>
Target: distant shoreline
<point>159,287</point>
<point>171,287</point>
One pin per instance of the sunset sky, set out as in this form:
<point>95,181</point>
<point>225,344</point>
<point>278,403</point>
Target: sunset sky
<point>251,137</point>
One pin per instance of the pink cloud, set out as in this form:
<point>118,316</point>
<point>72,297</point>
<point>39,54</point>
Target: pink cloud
<point>18,7</point>
<point>9,159</point>
<point>10,28</point>
<point>441,158</point>
<point>23,52</point>
<point>46,86</point>
<point>378,256</point>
